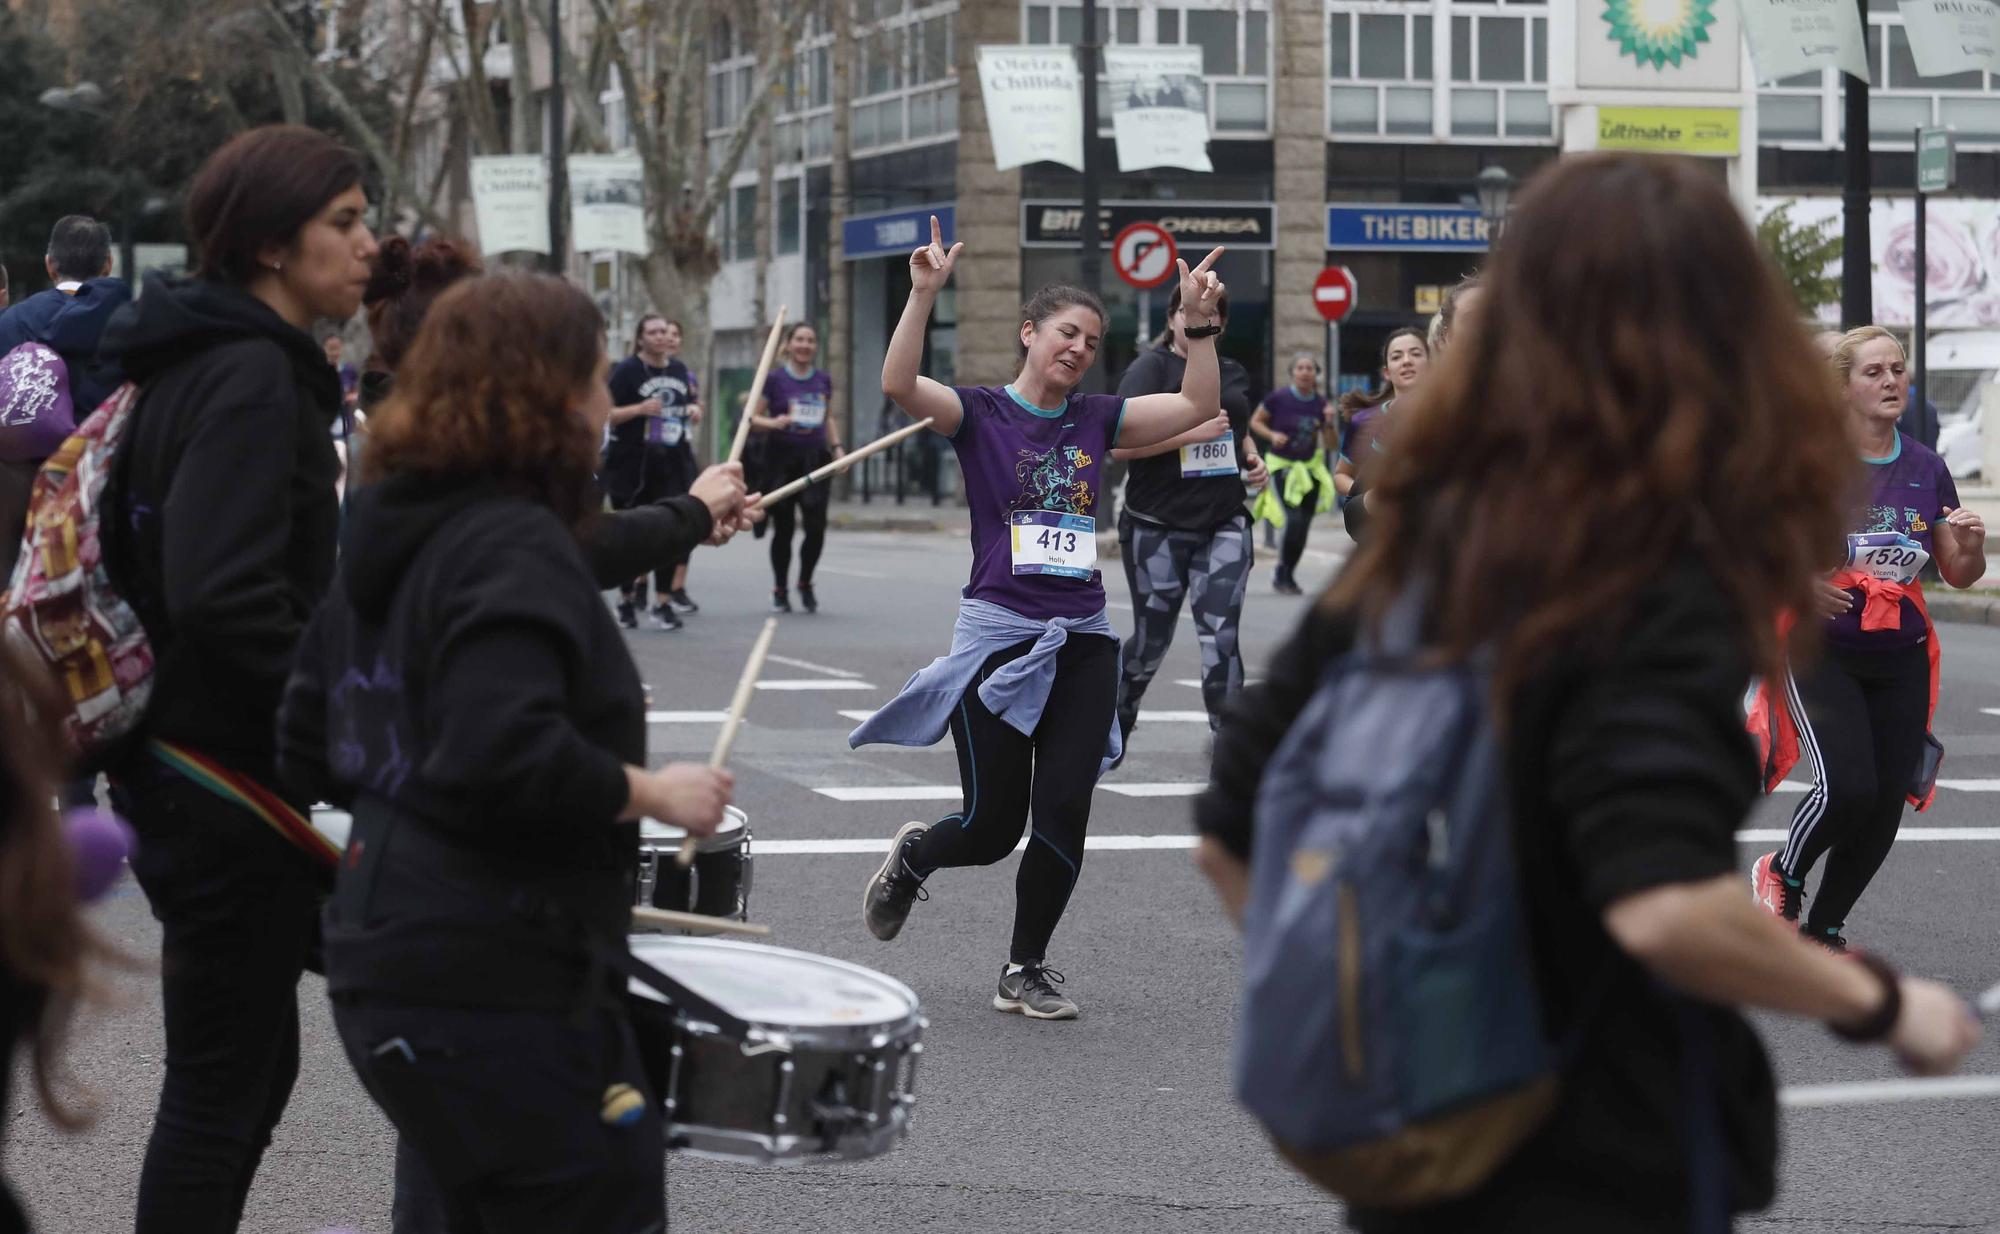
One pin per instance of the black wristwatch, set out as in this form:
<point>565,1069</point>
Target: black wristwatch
<point>1208,331</point>
<point>1882,1021</point>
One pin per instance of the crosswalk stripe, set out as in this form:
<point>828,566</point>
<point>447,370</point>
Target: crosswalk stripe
<point>952,792</point>
<point>815,683</point>
<point>810,667</point>
<point>1145,717</point>
<point>1155,843</point>
<point>686,717</point>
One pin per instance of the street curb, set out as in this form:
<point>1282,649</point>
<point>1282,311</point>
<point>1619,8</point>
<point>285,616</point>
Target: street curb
<point>1975,610</point>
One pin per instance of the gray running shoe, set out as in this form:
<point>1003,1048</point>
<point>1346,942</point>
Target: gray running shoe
<point>1032,992</point>
<point>895,886</point>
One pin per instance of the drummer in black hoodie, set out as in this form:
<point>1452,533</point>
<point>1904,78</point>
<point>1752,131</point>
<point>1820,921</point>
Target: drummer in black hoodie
<point>466,694</point>
<point>222,537</point>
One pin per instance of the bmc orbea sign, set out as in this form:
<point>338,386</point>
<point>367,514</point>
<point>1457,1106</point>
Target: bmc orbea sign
<point>1714,132</point>
<point>1193,225</point>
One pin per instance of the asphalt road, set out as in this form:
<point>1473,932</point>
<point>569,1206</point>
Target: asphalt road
<point>1121,1121</point>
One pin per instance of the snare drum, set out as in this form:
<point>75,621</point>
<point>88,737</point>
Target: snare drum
<point>825,1069</point>
<point>717,885</point>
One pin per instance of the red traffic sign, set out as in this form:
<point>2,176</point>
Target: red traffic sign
<point>1334,292</point>
<point>1144,255</point>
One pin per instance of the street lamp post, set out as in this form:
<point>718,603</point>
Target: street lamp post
<point>1496,190</point>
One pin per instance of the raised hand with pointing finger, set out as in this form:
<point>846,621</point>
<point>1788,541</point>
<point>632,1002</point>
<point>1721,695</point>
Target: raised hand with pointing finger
<point>930,266</point>
<point>1202,290</point>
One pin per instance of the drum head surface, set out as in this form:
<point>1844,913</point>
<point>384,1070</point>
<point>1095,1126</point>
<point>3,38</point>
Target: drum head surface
<point>733,822</point>
<point>774,986</point>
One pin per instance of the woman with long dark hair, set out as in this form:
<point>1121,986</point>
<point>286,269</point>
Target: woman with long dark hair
<point>1861,714</point>
<point>466,695</point>
<point>224,543</point>
<point>1029,689</point>
<point>1363,418</point>
<point>1602,502</point>
<point>794,412</point>
<point>655,409</point>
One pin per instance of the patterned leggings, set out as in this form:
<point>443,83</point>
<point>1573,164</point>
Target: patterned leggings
<point>1211,570</point>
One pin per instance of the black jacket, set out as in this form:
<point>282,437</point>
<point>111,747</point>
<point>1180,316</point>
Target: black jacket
<point>465,692</point>
<point>1154,487</point>
<point>224,518</point>
<point>1629,769</point>
<point>620,545</point>
<point>73,327</point>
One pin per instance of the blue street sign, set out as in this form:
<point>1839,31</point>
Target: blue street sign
<point>1388,227</point>
<point>893,232</point>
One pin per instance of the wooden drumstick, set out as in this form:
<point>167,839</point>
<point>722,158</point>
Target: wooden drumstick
<point>752,669</point>
<point>757,387</point>
<point>668,919</point>
<point>840,464</point>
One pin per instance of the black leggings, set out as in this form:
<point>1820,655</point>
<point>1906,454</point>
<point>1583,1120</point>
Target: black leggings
<point>812,504</point>
<point>1298,522</point>
<point>238,907</point>
<point>1861,718</point>
<point>1007,774</point>
<point>665,472</point>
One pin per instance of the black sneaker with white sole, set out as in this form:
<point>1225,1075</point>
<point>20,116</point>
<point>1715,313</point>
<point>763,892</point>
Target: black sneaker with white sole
<point>1031,990</point>
<point>885,905</point>
<point>683,602</point>
<point>628,616</point>
<point>666,618</point>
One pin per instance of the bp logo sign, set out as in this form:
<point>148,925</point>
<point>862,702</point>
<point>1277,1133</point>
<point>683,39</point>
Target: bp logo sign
<point>1659,32</point>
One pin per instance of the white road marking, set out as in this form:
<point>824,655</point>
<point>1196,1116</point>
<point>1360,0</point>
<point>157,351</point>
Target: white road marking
<point>1971,786</point>
<point>1195,684</point>
<point>686,717</point>
<point>1879,1092</point>
<point>1991,711</point>
<point>790,848</point>
<point>815,683</point>
<point>1920,835</point>
<point>1188,788</point>
<point>952,792</point>
<point>810,667</point>
<point>857,716</point>
<point>1149,717</point>
<point>846,573</point>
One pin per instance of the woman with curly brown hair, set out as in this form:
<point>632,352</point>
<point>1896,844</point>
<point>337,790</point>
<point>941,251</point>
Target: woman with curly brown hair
<point>467,696</point>
<point>1617,480</point>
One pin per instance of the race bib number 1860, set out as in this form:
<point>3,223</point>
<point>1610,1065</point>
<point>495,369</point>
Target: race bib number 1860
<point>1200,459</point>
<point>1050,542</point>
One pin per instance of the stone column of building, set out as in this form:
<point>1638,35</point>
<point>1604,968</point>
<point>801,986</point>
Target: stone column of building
<point>1298,152</point>
<point>988,278</point>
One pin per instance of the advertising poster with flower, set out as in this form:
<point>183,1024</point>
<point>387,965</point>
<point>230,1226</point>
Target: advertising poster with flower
<point>1963,239</point>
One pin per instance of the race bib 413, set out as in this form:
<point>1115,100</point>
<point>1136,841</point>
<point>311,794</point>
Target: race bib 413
<point>1050,542</point>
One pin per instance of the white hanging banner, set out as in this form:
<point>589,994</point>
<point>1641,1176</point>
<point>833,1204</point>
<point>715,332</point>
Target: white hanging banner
<point>510,198</point>
<point>1789,37</point>
<point>607,203</point>
<point>1953,36</point>
<point>1034,105</point>
<point>1159,107</point>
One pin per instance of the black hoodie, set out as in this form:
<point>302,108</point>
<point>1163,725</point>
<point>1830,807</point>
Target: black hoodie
<point>466,693</point>
<point>223,518</point>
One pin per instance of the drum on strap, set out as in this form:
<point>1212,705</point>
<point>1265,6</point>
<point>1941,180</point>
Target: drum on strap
<point>717,885</point>
<point>820,1064</point>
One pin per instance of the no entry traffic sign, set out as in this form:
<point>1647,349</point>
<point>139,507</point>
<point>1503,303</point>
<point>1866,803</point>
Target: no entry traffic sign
<point>1334,292</point>
<point>1144,254</point>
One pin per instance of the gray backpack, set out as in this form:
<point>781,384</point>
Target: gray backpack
<point>1392,1041</point>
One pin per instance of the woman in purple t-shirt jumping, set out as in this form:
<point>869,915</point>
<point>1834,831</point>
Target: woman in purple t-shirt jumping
<point>1862,712</point>
<point>1029,688</point>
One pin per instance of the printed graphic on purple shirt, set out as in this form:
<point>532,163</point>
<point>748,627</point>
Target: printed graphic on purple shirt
<point>1907,494</point>
<point>805,400</point>
<point>1032,479</point>
<point>1297,420</point>
<point>1361,436</point>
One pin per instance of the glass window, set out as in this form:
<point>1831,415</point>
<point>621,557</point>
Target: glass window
<point>1240,107</point>
<point>935,62</point>
<point>1340,46</point>
<point>1168,27</point>
<point>1355,109</point>
<point>739,93</point>
<point>1461,49</point>
<point>1538,40</point>
<point>1381,47</point>
<point>1787,117</point>
<point>923,115</point>
<point>718,100</point>
<point>1892,117</point>
<point>788,216</point>
<point>1069,26</point>
<point>1875,52</point>
<point>1976,119</point>
<point>1215,32</point>
<point>1038,23</point>
<point>786,137</point>
<point>745,228</point>
<point>1528,114</point>
<point>1256,45</point>
<point>867,129</point>
<point>819,137</point>
<point>1500,50</point>
<point>882,58</point>
<point>1475,113</point>
<point>947,111</point>
<point>1420,48</point>
<point>1127,27</point>
<point>1407,110</point>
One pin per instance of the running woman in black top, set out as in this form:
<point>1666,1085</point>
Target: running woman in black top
<point>656,406</point>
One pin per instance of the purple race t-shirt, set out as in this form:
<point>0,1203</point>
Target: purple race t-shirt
<point>1022,462</point>
<point>1298,420</point>
<point>1360,437</point>
<point>1907,494</point>
<point>806,400</point>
